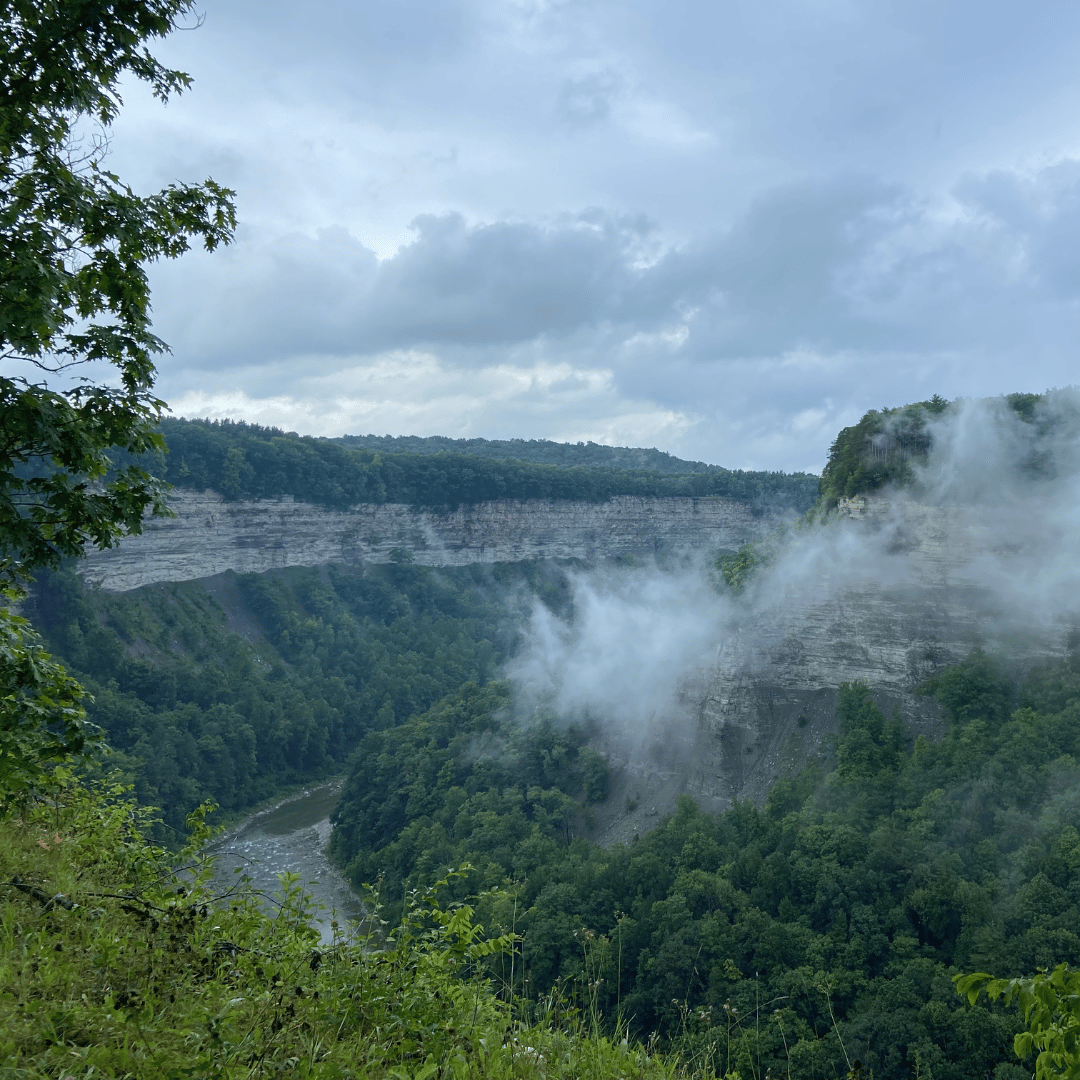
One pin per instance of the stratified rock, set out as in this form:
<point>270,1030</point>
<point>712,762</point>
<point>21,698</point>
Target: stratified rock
<point>210,535</point>
<point>888,595</point>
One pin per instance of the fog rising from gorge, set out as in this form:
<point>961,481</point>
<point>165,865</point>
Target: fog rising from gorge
<point>981,549</point>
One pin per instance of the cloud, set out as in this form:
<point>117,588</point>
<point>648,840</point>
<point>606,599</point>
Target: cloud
<point>768,332</point>
<point>586,100</point>
<point>633,641</point>
<point>834,266</point>
<point>747,216</point>
<point>983,550</point>
<point>454,285</point>
<point>404,392</point>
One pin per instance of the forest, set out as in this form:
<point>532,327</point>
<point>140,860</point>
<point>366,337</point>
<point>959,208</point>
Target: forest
<point>193,711</point>
<point>821,928</point>
<point>831,931</point>
<point>545,451</point>
<point>245,461</point>
<point>887,446</point>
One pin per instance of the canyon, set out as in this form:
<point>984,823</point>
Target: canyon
<point>898,591</point>
<point>888,592</point>
<point>907,589</point>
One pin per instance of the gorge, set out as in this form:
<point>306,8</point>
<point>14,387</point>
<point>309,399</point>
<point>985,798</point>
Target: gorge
<point>872,708</point>
<point>888,593</point>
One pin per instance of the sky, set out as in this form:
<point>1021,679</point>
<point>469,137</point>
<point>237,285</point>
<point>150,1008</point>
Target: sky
<point>722,229</point>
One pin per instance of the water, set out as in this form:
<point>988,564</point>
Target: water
<point>292,838</point>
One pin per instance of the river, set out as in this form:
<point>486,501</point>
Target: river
<point>291,838</point>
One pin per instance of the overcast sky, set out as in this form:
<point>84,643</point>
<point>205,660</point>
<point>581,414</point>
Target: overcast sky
<point>722,229</point>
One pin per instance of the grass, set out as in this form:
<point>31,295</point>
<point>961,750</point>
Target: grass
<point>116,960</point>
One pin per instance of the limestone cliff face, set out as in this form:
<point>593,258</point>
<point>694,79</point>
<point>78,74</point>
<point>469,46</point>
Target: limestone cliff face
<point>210,535</point>
<point>889,594</point>
<point>913,589</point>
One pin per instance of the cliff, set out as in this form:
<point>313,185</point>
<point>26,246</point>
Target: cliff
<point>210,535</point>
<point>889,594</point>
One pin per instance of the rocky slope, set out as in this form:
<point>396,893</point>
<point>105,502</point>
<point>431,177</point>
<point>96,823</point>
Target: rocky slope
<point>908,590</point>
<point>889,594</point>
<point>210,535</point>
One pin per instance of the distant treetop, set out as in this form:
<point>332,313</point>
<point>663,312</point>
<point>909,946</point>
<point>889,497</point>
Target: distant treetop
<point>884,447</point>
<point>246,461</point>
<point>540,450</point>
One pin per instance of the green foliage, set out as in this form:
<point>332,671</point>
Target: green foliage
<point>738,568</point>
<point>193,711</point>
<point>74,242</point>
<point>464,782</point>
<point>884,447</point>
<point>1049,1003</point>
<point>977,688</point>
<point>802,937</point>
<point>879,450</point>
<point>42,716</point>
<point>247,461</point>
<point>114,961</point>
<point>542,451</point>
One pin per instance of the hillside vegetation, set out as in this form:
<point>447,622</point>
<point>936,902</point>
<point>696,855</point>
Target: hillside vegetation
<point>193,711</point>
<point>834,916</point>
<point>118,961</point>
<point>247,461</point>
<point>635,459</point>
<point>886,446</point>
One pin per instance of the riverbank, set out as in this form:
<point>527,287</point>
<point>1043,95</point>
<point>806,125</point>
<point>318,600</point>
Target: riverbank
<point>290,837</point>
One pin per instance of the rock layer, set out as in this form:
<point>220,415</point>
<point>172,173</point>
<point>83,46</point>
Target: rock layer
<point>917,588</point>
<point>898,592</point>
<point>210,535</point>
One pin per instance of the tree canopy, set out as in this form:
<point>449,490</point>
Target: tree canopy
<point>74,244</point>
<point>247,461</point>
<point>75,334</point>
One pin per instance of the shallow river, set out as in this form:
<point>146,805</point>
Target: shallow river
<point>292,838</point>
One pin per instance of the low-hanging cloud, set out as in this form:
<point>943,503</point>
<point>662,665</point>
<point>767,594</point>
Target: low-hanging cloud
<point>991,523</point>
<point>635,637</point>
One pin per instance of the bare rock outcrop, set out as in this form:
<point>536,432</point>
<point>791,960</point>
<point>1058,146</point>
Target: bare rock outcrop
<point>210,535</point>
<point>914,589</point>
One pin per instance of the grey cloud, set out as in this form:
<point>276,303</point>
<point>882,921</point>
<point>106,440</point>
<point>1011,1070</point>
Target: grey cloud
<point>585,101</point>
<point>507,282</point>
<point>774,278</point>
<point>338,38</point>
<point>1040,217</point>
<point>455,286</point>
<point>850,266</point>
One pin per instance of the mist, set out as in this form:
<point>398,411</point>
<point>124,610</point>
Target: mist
<point>981,549</point>
<point>637,634</point>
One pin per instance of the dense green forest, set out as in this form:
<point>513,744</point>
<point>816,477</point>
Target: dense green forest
<point>193,711</point>
<point>814,936</point>
<point>247,461</point>
<point>635,459</point>
<point>821,927</point>
<point>886,445</point>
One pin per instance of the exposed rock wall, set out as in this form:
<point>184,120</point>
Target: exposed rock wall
<point>913,596</point>
<point>210,535</point>
<point>925,598</point>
